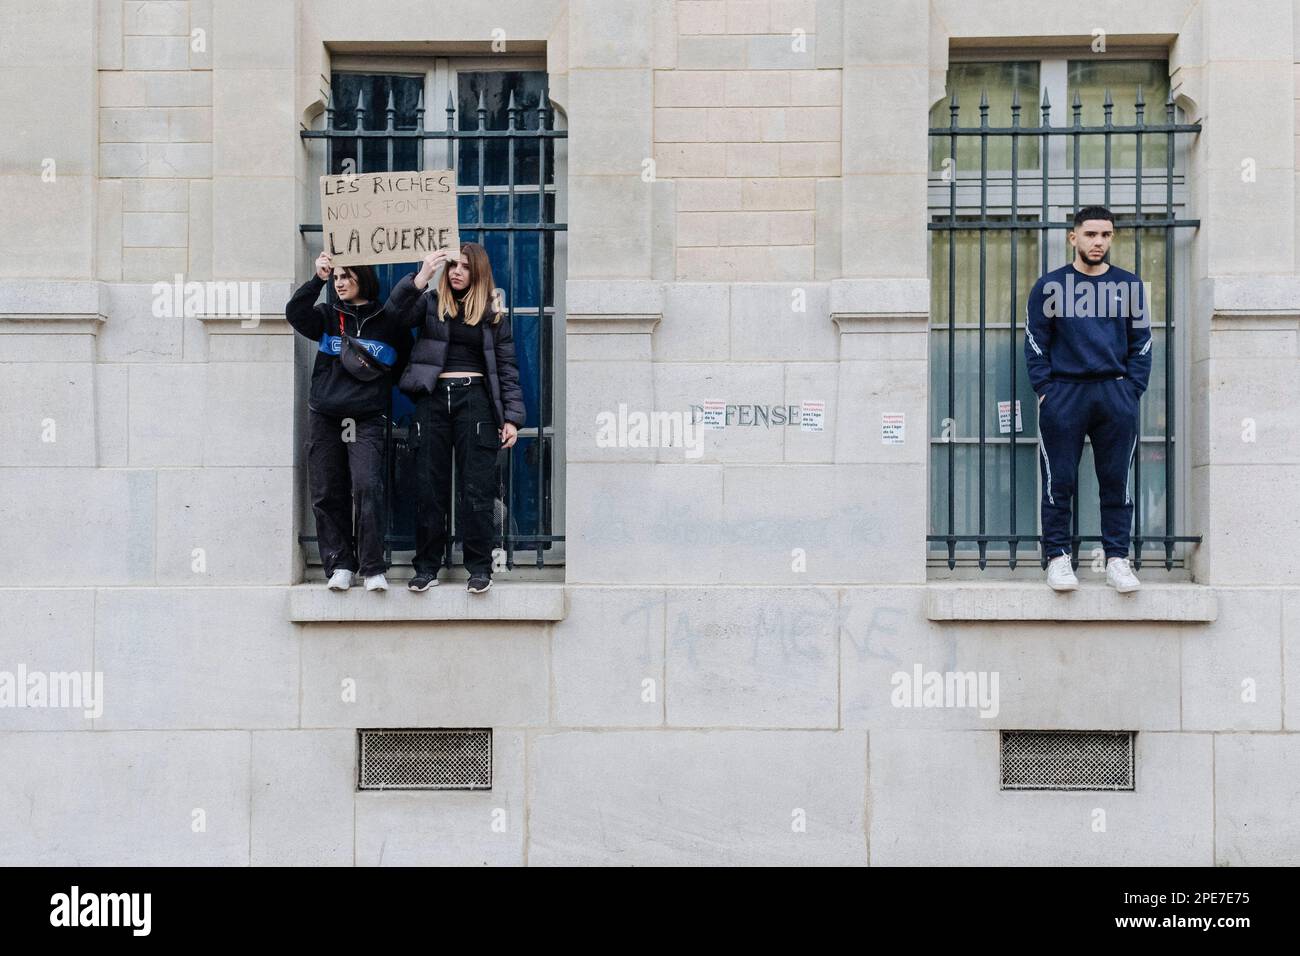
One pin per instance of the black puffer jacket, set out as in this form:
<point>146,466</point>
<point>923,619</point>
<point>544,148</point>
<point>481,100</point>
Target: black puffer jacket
<point>429,357</point>
<point>334,391</point>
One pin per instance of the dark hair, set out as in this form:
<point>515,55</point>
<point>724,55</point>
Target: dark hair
<point>1093,212</point>
<point>367,281</point>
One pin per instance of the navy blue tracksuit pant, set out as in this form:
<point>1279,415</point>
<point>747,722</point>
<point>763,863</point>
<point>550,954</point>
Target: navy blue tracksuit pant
<point>1105,411</point>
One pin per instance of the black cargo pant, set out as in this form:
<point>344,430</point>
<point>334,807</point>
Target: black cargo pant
<point>345,461</point>
<point>458,415</point>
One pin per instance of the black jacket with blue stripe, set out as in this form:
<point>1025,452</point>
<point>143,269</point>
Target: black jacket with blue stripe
<point>380,329</point>
<point>1081,328</point>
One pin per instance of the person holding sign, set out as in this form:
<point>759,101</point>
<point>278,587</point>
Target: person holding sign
<point>361,345</point>
<point>465,384</point>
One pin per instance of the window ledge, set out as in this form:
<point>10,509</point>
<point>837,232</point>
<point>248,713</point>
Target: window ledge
<point>315,603</point>
<point>1178,603</point>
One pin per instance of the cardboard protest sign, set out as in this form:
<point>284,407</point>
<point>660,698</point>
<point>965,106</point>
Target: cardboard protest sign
<point>373,218</point>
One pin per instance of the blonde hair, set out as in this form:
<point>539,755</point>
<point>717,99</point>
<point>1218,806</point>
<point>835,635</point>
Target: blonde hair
<point>478,299</point>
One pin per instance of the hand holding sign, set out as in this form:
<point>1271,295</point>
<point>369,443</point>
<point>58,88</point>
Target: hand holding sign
<point>374,218</point>
<point>324,267</point>
<point>431,263</point>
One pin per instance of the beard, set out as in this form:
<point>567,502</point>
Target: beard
<point>1091,259</point>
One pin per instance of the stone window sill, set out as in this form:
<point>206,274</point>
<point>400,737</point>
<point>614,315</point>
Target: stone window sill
<point>996,601</point>
<point>315,603</point>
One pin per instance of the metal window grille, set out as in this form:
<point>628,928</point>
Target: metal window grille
<point>516,221</point>
<point>425,760</point>
<point>1067,760</point>
<point>1143,200</point>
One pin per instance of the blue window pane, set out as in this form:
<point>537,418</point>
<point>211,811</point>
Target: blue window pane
<point>524,291</point>
<point>496,207</point>
<point>373,155</point>
<point>530,488</point>
<point>528,341</point>
<point>530,91</point>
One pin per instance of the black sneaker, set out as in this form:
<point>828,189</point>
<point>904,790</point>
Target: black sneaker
<point>423,581</point>
<point>478,583</point>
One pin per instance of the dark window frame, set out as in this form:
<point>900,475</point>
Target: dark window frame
<point>1066,183</point>
<point>471,137</point>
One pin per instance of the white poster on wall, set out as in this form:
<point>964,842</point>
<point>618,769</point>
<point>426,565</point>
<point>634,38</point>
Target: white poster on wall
<point>812,416</point>
<point>891,428</point>
<point>1004,418</point>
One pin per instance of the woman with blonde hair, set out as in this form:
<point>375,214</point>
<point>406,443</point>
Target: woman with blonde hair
<point>464,381</point>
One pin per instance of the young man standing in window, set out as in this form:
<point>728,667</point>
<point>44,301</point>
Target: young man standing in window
<point>1088,350</point>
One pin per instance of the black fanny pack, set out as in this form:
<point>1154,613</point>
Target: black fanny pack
<point>361,362</point>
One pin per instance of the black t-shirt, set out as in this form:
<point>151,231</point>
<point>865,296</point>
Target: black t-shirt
<point>465,344</point>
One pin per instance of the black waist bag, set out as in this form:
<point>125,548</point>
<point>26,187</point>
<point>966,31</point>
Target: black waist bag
<point>360,362</point>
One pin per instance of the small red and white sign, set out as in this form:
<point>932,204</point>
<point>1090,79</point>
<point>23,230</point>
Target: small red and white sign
<point>812,417</point>
<point>715,414</point>
<point>891,428</point>
<point>1004,417</point>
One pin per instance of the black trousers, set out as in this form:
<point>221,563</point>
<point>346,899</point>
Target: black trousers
<point>345,461</point>
<point>457,417</point>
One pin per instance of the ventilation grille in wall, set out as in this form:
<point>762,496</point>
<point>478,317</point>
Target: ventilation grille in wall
<point>1067,760</point>
<point>425,760</point>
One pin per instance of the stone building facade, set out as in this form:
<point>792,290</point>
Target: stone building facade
<point>710,673</point>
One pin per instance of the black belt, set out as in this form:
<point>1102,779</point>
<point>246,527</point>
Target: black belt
<point>466,380</point>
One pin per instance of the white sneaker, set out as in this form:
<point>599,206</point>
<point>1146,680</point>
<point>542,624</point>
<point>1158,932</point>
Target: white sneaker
<point>340,580</point>
<point>1120,576</point>
<point>376,582</point>
<point>1060,576</point>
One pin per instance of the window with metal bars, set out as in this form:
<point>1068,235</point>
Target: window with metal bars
<point>500,136</point>
<point>1006,176</point>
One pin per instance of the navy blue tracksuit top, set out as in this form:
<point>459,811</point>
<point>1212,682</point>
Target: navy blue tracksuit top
<point>1082,328</point>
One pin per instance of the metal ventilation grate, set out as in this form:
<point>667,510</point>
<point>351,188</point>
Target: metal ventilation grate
<point>425,760</point>
<point>1067,760</point>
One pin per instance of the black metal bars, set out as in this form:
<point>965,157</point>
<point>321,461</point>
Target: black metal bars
<point>540,536</point>
<point>1056,192</point>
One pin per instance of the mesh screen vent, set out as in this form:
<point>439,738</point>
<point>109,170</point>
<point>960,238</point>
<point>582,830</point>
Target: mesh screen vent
<point>425,760</point>
<point>1067,760</point>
